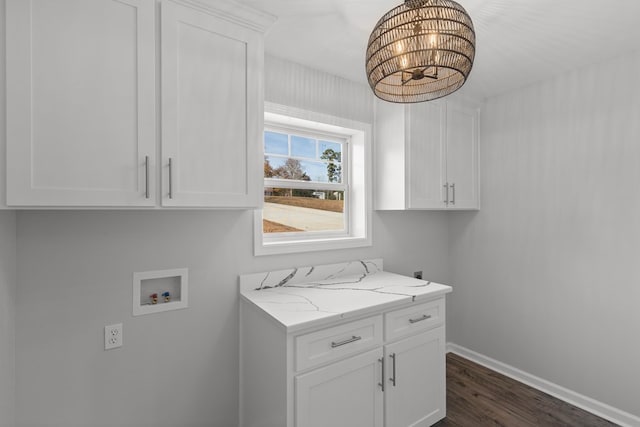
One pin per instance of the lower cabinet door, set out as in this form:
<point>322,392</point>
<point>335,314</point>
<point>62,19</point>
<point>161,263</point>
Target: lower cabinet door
<point>342,394</point>
<point>415,391</point>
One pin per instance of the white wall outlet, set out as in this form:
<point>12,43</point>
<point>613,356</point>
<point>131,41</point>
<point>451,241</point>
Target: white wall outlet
<point>113,336</point>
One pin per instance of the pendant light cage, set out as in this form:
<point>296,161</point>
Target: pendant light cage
<point>420,51</point>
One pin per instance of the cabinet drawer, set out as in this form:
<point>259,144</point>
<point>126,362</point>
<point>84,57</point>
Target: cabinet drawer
<point>414,319</point>
<point>336,342</point>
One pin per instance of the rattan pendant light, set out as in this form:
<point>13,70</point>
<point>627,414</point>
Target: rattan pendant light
<point>420,51</point>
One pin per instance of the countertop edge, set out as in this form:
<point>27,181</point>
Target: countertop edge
<point>352,314</point>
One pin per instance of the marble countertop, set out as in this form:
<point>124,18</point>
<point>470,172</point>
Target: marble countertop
<point>306,297</point>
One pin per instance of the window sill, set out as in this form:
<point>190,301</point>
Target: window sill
<point>308,245</point>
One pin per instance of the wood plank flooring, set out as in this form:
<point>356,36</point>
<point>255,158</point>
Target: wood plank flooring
<point>479,397</point>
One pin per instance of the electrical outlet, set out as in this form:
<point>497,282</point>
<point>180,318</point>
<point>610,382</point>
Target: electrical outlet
<point>113,336</point>
<point>417,274</point>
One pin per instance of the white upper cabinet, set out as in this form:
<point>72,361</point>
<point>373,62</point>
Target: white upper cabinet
<point>80,102</point>
<point>462,177</point>
<point>427,155</point>
<point>212,110</point>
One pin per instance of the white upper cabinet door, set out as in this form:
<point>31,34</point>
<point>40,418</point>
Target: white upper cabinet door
<point>410,155</point>
<point>426,156</point>
<point>462,156</point>
<point>391,170</point>
<point>80,102</point>
<point>212,110</point>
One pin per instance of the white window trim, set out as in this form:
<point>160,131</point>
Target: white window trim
<point>360,190</point>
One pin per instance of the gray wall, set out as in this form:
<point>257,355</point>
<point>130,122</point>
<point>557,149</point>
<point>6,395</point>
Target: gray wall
<point>547,275</point>
<point>177,368</point>
<point>7,270</point>
<point>297,86</point>
<point>7,316</point>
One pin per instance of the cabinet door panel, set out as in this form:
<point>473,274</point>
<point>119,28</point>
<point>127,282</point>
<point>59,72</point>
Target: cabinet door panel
<point>343,394</point>
<point>426,156</point>
<point>462,155</point>
<point>418,397</point>
<point>209,110</point>
<point>80,102</point>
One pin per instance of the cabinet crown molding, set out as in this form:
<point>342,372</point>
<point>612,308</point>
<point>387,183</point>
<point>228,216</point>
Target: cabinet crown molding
<point>232,11</point>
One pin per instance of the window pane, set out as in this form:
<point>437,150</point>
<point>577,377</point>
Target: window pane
<point>331,152</point>
<point>276,143</point>
<point>325,146</point>
<point>302,170</point>
<point>317,171</point>
<point>291,210</point>
<point>275,161</point>
<point>271,165</point>
<point>285,168</point>
<point>303,147</point>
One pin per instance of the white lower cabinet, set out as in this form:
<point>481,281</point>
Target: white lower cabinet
<point>385,370</point>
<point>415,394</point>
<point>342,394</point>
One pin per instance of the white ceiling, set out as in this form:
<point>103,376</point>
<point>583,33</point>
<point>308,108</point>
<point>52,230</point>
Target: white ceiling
<point>518,41</point>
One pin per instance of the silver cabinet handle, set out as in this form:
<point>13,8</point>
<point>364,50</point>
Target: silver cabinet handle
<point>347,341</point>
<point>393,365</point>
<point>420,319</point>
<point>381,383</point>
<point>170,178</point>
<point>146,177</point>
<point>453,188</point>
<point>446,199</point>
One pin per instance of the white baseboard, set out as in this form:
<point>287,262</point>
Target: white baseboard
<point>624,419</point>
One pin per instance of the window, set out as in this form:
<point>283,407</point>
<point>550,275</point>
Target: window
<point>305,182</point>
<point>316,183</point>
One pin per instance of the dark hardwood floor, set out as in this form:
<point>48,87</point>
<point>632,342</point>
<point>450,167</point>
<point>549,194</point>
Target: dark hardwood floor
<point>479,397</point>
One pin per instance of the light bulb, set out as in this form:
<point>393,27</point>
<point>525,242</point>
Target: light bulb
<point>432,40</point>
<point>432,44</point>
<point>398,47</point>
